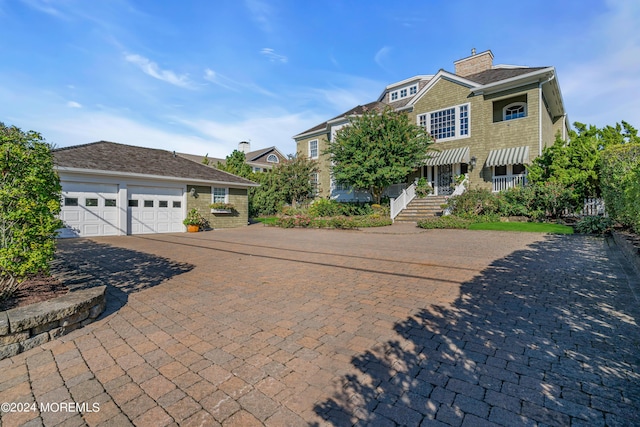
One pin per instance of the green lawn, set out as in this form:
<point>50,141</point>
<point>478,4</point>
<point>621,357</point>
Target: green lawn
<point>538,227</point>
<point>267,220</point>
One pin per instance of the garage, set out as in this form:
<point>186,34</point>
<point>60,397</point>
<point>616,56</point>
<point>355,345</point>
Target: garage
<point>116,189</point>
<point>154,210</point>
<point>89,209</point>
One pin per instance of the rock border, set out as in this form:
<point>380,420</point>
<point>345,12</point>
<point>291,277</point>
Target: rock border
<point>631,253</point>
<point>24,328</point>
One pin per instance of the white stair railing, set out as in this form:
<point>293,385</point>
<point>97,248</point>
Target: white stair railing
<point>401,202</point>
<point>458,190</point>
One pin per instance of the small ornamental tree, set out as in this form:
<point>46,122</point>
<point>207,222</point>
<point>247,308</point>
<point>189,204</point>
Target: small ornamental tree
<point>235,163</point>
<point>295,178</point>
<point>29,204</point>
<point>377,149</point>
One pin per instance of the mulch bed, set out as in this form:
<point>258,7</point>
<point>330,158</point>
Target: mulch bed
<point>36,288</point>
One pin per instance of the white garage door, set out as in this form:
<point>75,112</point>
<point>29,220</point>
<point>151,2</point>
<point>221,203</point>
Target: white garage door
<point>155,210</point>
<point>89,209</point>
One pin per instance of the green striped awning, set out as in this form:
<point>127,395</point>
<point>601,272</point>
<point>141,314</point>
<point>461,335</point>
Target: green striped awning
<point>508,156</point>
<point>448,157</point>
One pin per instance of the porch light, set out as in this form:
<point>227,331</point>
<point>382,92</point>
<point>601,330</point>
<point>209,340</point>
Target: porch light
<point>193,192</point>
<point>472,162</point>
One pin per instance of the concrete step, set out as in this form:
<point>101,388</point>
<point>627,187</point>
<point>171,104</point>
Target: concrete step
<point>422,208</point>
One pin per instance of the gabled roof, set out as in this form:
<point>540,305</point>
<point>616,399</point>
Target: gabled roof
<point>253,156</point>
<point>352,112</point>
<point>104,156</point>
<point>497,78</point>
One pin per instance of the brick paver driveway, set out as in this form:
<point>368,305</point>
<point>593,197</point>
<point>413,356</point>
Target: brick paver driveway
<point>296,327</point>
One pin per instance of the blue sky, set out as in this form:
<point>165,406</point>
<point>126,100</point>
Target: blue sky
<point>199,76</point>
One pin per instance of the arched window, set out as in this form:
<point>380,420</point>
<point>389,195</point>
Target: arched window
<point>272,158</point>
<point>514,110</point>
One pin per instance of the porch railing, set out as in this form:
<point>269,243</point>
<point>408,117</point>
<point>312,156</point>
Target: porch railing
<point>458,190</point>
<point>501,183</point>
<point>401,202</point>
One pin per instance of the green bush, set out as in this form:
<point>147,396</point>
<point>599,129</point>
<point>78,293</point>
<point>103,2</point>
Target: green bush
<point>449,221</point>
<point>632,198</point>
<point>619,182</point>
<point>515,201</point>
<point>29,204</point>
<point>474,202</point>
<point>593,225</point>
<point>326,207</point>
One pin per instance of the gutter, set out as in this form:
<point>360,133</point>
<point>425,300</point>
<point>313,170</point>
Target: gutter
<point>540,112</point>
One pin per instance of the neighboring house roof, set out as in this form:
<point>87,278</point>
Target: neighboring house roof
<point>112,157</point>
<point>259,157</point>
<point>352,112</point>
<point>198,158</point>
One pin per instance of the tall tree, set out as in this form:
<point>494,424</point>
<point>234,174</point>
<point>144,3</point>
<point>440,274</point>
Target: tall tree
<point>377,149</point>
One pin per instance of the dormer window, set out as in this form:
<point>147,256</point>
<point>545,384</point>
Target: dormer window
<point>515,110</point>
<point>403,93</point>
<point>272,158</point>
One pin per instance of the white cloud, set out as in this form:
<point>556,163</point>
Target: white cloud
<point>273,56</point>
<point>381,56</point>
<point>44,6</point>
<point>73,104</point>
<point>233,85</point>
<point>152,69</point>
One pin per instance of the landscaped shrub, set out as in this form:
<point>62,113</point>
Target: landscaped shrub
<point>550,199</point>
<point>326,207</point>
<point>474,202</point>
<point>515,201</point>
<point>593,225</point>
<point>632,198</point>
<point>29,204</point>
<point>449,221</point>
<point>619,182</point>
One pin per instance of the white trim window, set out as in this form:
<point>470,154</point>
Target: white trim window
<point>403,92</point>
<point>219,195</point>
<point>515,110</point>
<point>313,149</point>
<point>314,180</point>
<point>272,158</point>
<point>450,123</point>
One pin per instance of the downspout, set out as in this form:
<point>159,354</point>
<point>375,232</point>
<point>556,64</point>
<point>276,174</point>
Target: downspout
<point>540,112</point>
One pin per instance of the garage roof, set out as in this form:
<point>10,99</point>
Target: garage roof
<point>121,158</point>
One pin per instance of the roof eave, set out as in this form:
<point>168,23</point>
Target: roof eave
<point>510,83</point>
<point>155,177</point>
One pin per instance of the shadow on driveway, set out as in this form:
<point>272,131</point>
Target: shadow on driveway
<point>84,262</point>
<point>545,335</point>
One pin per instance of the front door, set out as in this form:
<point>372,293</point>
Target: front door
<point>445,179</point>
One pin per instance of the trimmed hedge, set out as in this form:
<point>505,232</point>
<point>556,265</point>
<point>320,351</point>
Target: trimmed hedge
<point>620,175</point>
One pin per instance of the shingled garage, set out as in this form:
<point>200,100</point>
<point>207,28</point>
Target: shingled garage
<point>117,189</point>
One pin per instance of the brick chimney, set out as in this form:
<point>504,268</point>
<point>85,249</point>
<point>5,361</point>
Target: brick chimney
<point>474,63</point>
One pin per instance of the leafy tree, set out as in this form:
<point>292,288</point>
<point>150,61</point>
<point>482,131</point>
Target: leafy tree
<point>288,183</point>
<point>574,163</point>
<point>29,203</point>
<point>295,178</point>
<point>377,149</point>
<point>235,163</point>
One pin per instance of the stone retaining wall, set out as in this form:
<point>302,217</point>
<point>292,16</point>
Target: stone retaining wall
<point>630,251</point>
<point>26,327</point>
